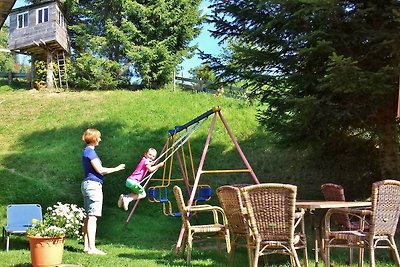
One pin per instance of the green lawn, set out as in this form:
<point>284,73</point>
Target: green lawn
<point>40,150</point>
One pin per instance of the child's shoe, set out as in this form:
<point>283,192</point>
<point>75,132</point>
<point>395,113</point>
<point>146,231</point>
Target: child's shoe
<point>125,203</point>
<point>120,201</point>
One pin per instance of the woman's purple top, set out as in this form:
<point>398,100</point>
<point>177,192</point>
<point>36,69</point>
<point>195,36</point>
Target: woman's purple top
<point>90,173</point>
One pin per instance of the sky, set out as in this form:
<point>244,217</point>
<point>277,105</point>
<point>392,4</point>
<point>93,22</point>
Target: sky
<point>204,41</point>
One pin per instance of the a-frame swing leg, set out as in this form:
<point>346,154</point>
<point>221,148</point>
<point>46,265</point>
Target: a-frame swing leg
<point>131,213</point>
<point>201,164</point>
<point>196,181</point>
<point>253,175</point>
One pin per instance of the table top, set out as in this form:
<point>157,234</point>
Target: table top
<point>322,204</point>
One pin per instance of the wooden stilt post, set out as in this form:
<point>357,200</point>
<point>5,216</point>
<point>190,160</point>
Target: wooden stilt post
<point>49,76</point>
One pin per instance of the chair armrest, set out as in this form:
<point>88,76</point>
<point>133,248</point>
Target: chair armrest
<point>208,208</point>
<point>299,216</point>
<point>358,213</point>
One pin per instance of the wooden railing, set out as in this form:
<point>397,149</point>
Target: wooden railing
<point>209,87</point>
<point>12,75</point>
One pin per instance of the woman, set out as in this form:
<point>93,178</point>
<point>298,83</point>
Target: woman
<point>91,188</point>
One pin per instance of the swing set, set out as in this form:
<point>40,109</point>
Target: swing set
<point>177,149</point>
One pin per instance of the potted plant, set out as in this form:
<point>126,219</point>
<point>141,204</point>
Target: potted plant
<point>46,237</point>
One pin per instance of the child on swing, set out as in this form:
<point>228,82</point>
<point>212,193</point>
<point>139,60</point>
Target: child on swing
<point>133,181</point>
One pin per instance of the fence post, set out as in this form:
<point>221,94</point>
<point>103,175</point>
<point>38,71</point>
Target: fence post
<point>174,85</point>
<point>10,76</point>
<point>201,85</point>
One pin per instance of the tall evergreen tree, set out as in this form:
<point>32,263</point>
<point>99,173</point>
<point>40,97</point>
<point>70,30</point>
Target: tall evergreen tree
<point>149,36</point>
<point>326,71</point>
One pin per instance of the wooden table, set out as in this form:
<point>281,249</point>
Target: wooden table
<point>313,205</point>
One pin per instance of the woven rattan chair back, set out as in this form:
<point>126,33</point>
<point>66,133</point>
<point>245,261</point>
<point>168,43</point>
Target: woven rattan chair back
<point>385,207</point>
<point>235,211</point>
<point>335,192</point>
<point>231,201</point>
<point>271,211</point>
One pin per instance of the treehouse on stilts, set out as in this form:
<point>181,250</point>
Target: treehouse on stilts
<point>40,30</point>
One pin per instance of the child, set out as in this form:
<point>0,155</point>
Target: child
<point>133,181</point>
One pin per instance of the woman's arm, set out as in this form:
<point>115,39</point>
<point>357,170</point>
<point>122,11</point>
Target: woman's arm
<point>104,170</point>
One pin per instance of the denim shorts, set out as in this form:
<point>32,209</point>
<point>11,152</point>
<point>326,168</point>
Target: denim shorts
<point>135,186</point>
<point>92,197</point>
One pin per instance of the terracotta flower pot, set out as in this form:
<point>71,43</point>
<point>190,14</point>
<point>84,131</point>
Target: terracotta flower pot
<point>46,251</point>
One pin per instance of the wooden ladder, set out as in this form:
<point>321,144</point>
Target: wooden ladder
<point>62,70</point>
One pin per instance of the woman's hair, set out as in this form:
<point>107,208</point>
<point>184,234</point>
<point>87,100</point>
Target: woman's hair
<point>91,136</point>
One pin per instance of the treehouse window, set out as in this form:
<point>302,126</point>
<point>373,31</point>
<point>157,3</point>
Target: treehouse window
<point>22,20</point>
<point>42,15</point>
<point>60,18</point>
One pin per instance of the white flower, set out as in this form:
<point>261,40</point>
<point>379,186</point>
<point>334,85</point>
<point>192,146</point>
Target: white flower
<point>60,220</point>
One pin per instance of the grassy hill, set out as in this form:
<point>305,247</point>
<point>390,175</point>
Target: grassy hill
<point>40,162</point>
<point>40,150</point>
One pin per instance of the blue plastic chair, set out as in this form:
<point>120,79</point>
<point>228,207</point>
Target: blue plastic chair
<point>19,219</point>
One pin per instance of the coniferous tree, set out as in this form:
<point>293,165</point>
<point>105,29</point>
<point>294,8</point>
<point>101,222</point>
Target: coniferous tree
<point>326,71</point>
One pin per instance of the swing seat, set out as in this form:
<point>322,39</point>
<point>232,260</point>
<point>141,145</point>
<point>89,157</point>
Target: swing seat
<point>156,195</point>
<point>204,193</point>
<point>175,214</point>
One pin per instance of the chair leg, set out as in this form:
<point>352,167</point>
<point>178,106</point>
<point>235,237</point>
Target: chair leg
<point>395,252</point>
<point>2,235</point>
<point>295,256</point>
<point>189,248</point>
<point>327,253</point>
<point>228,242</point>
<point>256,254</point>
<point>372,256</point>
<point>249,251</point>
<point>350,256</point>
<point>305,257</point>
<point>303,232</point>
<point>361,257</point>
<point>7,242</point>
<point>231,253</point>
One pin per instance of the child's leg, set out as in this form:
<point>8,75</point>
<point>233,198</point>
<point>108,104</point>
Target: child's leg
<point>131,196</point>
<point>142,195</point>
<point>138,192</point>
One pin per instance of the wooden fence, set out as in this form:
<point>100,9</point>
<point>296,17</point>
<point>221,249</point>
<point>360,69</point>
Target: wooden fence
<point>209,87</point>
<point>11,76</point>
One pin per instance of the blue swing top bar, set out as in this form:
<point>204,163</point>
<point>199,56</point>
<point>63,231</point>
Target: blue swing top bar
<point>179,128</point>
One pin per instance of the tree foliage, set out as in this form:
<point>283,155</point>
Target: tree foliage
<point>6,59</point>
<point>325,70</point>
<point>146,38</point>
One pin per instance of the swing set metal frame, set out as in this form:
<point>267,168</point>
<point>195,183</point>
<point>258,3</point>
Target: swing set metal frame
<point>174,147</point>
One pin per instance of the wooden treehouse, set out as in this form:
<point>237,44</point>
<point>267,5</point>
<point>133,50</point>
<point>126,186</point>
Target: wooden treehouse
<point>5,9</point>
<point>40,30</point>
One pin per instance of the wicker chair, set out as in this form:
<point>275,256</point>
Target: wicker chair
<point>236,214</point>
<point>335,192</point>
<point>191,231</point>
<point>384,216</point>
<point>272,216</point>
